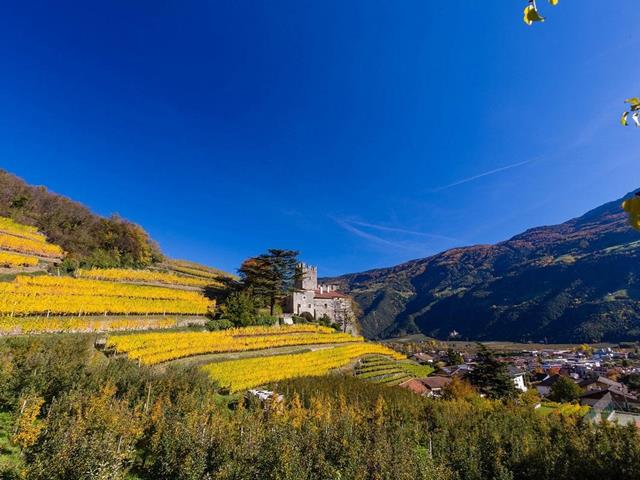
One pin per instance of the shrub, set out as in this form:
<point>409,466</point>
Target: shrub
<point>298,319</point>
<point>565,390</point>
<point>240,309</point>
<point>266,320</point>
<point>308,317</point>
<point>220,324</point>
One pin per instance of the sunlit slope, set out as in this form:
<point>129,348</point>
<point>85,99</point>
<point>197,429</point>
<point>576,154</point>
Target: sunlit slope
<point>251,372</point>
<point>145,276</point>
<point>152,348</point>
<point>71,296</point>
<point>23,246</point>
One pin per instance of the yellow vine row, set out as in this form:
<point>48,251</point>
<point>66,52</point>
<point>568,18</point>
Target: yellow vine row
<point>130,275</point>
<point>14,326</point>
<point>9,259</point>
<point>69,296</point>
<point>28,245</point>
<point>152,348</point>
<point>251,372</point>
<point>7,225</point>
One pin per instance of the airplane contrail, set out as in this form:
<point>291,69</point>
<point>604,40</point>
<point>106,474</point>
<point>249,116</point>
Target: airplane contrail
<point>480,175</point>
<point>402,230</point>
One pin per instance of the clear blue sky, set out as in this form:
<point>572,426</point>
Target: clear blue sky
<point>363,133</point>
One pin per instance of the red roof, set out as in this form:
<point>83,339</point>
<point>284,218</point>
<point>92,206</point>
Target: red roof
<point>415,386</point>
<point>329,295</point>
<point>436,382</point>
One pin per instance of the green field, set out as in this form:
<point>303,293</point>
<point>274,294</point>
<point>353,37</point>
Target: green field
<point>564,409</point>
<point>386,371</point>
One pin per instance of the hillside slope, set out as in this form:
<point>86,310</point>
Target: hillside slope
<point>577,281</point>
<point>88,239</point>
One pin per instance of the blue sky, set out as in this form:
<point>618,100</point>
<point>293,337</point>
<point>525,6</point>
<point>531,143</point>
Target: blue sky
<point>363,133</point>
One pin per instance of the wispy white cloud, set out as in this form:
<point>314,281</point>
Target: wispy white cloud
<point>483,174</point>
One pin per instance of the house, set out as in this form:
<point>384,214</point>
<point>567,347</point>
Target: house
<point>318,300</point>
<point>459,371</point>
<point>518,377</point>
<point>435,385</point>
<point>610,399</point>
<point>416,386</point>
<point>544,387</point>
<point>422,358</point>
<point>603,383</point>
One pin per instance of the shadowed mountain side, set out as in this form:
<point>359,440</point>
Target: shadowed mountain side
<point>577,281</point>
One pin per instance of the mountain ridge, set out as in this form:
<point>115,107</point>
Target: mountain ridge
<point>573,281</point>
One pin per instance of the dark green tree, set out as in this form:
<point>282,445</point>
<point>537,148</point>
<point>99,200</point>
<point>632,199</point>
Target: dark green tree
<point>454,357</point>
<point>271,276</point>
<point>491,376</point>
<point>240,309</point>
<point>565,390</point>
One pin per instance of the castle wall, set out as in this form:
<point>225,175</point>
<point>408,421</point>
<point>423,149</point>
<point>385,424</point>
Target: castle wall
<point>338,309</point>
<point>303,302</point>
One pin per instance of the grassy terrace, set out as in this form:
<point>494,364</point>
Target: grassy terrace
<point>388,371</point>
<point>242,374</point>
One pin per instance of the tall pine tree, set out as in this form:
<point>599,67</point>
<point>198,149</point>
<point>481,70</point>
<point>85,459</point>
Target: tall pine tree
<point>491,376</point>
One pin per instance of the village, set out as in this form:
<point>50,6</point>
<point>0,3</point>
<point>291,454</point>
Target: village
<point>603,380</point>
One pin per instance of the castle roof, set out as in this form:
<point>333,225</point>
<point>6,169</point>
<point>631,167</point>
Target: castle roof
<point>329,295</point>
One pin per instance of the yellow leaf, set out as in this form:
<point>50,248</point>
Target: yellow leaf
<point>531,15</point>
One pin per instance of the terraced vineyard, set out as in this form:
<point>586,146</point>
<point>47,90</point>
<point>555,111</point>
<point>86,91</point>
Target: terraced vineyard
<point>387,371</point>
<point>9,226</point>
<point>195,269</point>
<point>30,325</point>
<point>147,276</point>
<point>153,348</point>
<point>24,239</point>
<point>9,259</point>
<point>237,375</point>
<point>44,295</point>
<point>128,300</point>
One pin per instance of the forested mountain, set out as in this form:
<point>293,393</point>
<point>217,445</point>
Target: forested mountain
<point>577,281</point>
<point>87,238</point>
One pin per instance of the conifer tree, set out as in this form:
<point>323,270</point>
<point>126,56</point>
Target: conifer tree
<point>491,376</point>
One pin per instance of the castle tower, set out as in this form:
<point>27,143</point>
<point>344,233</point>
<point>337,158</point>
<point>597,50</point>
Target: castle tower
<point>309,277</point>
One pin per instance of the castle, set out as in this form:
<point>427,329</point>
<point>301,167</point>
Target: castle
<point>318,300</point>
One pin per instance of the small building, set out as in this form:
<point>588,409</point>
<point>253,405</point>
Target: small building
<point>416,386</point>
<point>610,399</point>
<point>435,385</point>
<point>544,387</point>
<point>518,377</point>
<point>422,358</point>
<point>602,383</point>
<point>459,371</point>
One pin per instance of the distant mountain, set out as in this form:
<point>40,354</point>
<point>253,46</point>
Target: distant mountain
<point>574,282</point>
